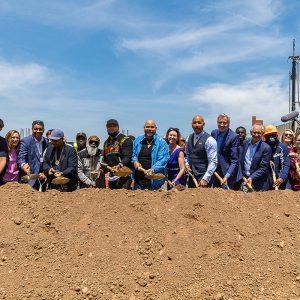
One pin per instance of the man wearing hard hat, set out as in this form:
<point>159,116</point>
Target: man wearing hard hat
<point>280,162</point>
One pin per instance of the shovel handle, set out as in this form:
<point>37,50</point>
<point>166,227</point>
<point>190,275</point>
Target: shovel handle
<point>218,176</point>
<point>248,184</point>
<point>193,177</point>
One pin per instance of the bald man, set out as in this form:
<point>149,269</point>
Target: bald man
<point>150,155</point>
<point>201,152</point>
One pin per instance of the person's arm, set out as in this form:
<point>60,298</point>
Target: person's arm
<point>181,163</point>
<point>72,162</point>
<point>234,157</point>
<point>212,156</point>
<point>284,172</point>
<point>162,157</point>
<point>3,161</point>
<point>23,156</point>
<point>81,175</point>
<point>126,151</point>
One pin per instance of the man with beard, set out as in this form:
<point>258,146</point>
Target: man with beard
<point>150,155</point>
<point>60,160</point>
<point>3,153</point>
<point>117,152</point>
<point>89,172</point>
<point>201,152</point>
<point>31,152</point>
<point>280,157</point>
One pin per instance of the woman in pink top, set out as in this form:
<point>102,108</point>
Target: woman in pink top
<point>12,171</point>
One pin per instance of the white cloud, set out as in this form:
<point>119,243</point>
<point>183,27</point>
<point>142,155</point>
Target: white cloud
<point>265,97</point>
<point>13,76</point>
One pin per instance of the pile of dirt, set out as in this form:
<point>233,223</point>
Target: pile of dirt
<point>193,244</point>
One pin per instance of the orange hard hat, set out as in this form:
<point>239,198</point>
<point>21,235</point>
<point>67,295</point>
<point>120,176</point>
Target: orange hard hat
<point>270,129</point>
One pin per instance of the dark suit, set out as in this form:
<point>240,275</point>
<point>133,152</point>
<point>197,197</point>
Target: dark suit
<point>29,153</point>
<point>260,166</point>
<point>68,166</point>
<point>228,156</point>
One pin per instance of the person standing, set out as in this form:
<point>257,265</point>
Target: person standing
<point>117,153</point>
<point>255,160</point>
<point>89,159</point>
<point>241,132</point>
<point>280,157</point>
<point>294,172</point>
<point>150,155</point>
<point>80,143</point>
<point>30,157</point>
<point>201,154</point>
<point>3,153</point>
<point>288,138</point>
<point>12,172</point>
<point>228,144</point>
<point>176,162</point>
<point>60,160</point>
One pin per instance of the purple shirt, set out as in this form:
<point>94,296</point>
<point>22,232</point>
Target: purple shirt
<point>12,169</point>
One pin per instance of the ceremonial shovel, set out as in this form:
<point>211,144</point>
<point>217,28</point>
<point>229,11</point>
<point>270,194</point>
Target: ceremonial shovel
<point>224,185</point>
<point>273,173</point>
<point>193,177</point>
<point>122,172</point>
<point>249,186</point>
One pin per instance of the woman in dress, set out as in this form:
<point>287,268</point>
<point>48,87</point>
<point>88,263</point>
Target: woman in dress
<point>294,173</point>
<point>12,172</point>
<point>176,163</point>
<point>288,138</point>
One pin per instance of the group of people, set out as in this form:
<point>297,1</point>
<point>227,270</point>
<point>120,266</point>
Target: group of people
<point>224,158</point>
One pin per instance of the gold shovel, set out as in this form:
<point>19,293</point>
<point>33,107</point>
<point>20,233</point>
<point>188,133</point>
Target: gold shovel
<point>60,180</point>
<point>122,172</point>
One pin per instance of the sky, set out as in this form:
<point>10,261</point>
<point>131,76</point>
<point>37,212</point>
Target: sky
<point>76,64</point>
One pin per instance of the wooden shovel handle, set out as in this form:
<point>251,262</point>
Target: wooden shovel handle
<point>193,177</point>
<point>248,184</point>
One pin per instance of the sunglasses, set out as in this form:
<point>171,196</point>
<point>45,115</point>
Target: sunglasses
<point>288,134</point>
<point>257,132</point>
<point>94,142</point>
<point>241,132</point>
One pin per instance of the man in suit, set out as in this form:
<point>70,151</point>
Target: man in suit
<point>201,153</point>
<point>228,153</point>
<point>60,160</point>
<point>255,160</point>
<point>32,147</point>
<point>280,157</point>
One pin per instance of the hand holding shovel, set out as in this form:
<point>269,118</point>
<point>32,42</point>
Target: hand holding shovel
<point>223,184</point>
<point>248,185</point>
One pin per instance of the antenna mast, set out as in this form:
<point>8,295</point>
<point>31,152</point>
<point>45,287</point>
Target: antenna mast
<point>293,79</point>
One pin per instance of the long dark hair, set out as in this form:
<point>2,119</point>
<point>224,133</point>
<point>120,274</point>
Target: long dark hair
<point>178,134</point>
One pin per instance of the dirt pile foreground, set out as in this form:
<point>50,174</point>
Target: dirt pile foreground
<point>194,244</point>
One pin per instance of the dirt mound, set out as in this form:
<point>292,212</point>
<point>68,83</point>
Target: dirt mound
<point>194,244</point>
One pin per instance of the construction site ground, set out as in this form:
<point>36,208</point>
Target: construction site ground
<point>191,244</point>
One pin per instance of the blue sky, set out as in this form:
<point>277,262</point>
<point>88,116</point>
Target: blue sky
<point>76,64</point>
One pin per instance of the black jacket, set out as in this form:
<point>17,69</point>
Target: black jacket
<point>68,166</point>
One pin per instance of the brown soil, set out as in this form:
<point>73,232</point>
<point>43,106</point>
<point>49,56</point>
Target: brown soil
<point>193,244</point>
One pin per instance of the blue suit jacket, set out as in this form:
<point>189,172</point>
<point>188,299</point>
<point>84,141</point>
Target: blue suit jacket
<point>260,166</point>
<point>29,154</point>
<point>228,156</point>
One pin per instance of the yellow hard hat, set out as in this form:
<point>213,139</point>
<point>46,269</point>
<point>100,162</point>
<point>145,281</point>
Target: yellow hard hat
<point>270,129</point>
